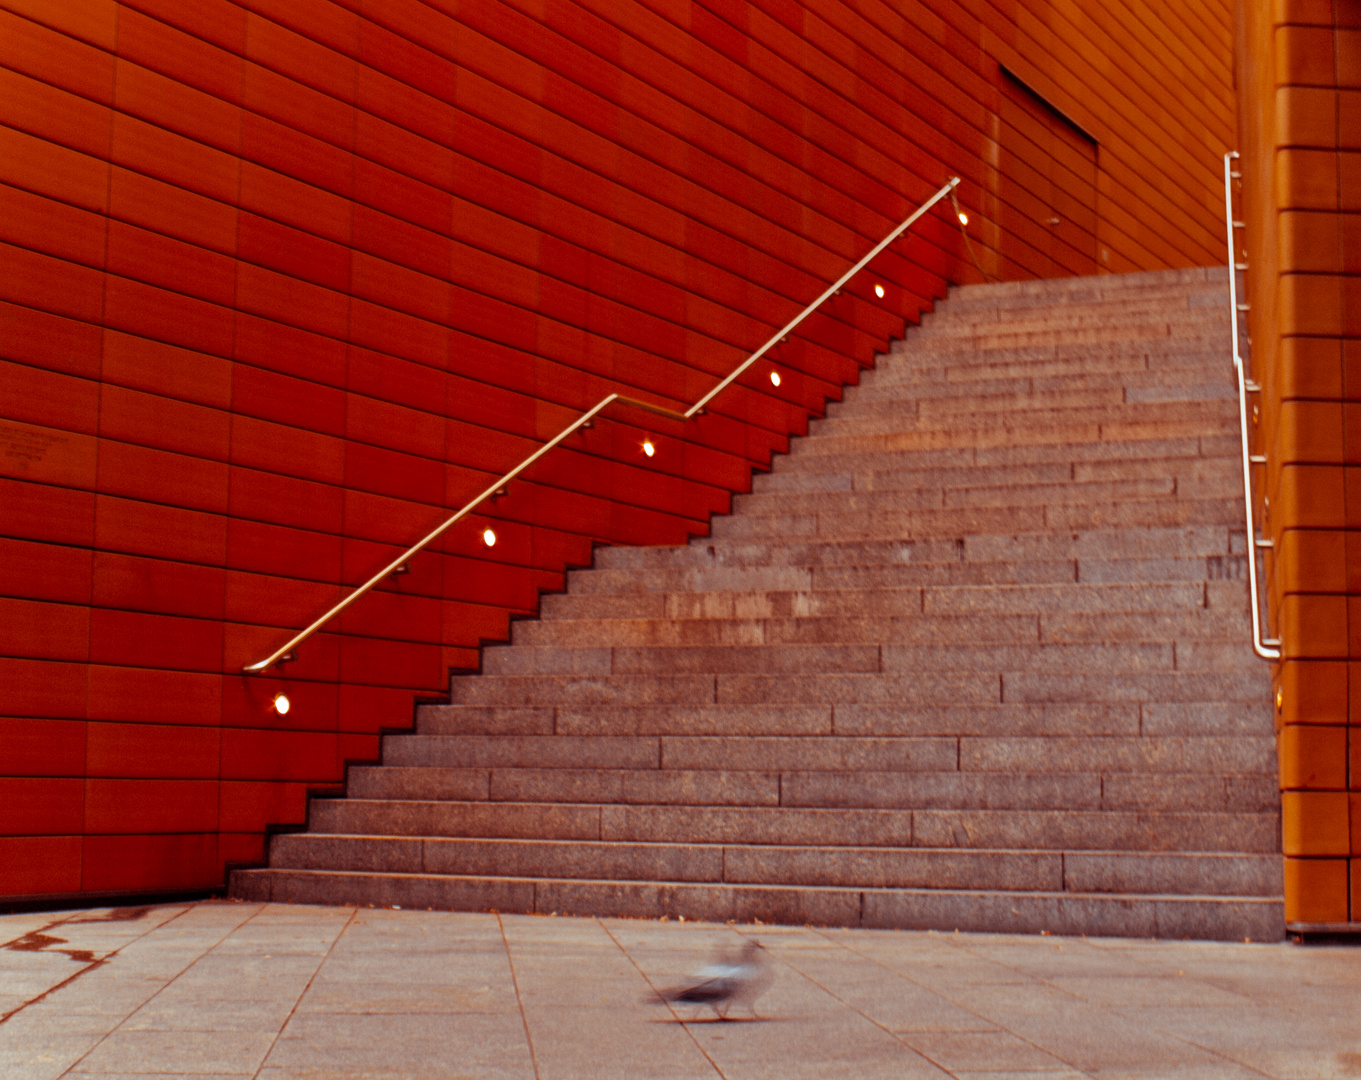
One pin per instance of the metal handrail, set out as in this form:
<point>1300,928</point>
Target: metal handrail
<point>1266,648</point>
<point>286,652</point>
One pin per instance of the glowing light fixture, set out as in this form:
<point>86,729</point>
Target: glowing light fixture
<point>879,291</point>
<point>489,537</point>
<point>774,378</point>
<point>282,704</point>
<point>648,448</point>
<point>963,218</point>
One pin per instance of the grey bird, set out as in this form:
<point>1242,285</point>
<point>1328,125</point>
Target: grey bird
<point>737,981</point>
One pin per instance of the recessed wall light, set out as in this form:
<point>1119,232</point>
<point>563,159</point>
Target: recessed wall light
<point>648,448</point>
<point>489,537</point>
<point>963,218</point>
<point>879,291</point>
<point>774,378</point>
<point>282,704</point>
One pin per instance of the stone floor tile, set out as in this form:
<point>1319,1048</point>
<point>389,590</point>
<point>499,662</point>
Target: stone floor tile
<point>815,1039</point>
<point>194,1052</point>
<point>979,1051</point>
<point>13,927</point>
<point>26,1055</point>
<point>465,1045</point>
<point>1141,991</point>
<point>180,1012</point>
<point>492,997</point>
<point>898,1003</point>
<point>26,975</point>
<point>1028,1074</point>
<point>102,993</point>
<point>1048,1018</point>
<point>621,1045</point>
<point>161,1075</point>
<point>284,974</point>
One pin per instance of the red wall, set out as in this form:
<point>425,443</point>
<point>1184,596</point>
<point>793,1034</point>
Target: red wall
<point>282,281</point>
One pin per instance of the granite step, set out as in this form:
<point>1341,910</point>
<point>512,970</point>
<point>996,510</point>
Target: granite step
<point>1135,914</point>
<point>1038,755</point>
<point>1248,792</point>
<point>955,571</point>
<point>1092,332</point>
<point>1164,283</point>
<point>916,688</point>
<point>808,659</point>
<point>1103,544</point>
<point>881,524</point>
<point>1140,385</point>
<point>1145,316</point>
<point>1011,870</point>
<point>1248,717</point>
<point>949,600</point>
<point>1006,440</point>
<point>969,829</point>
<point>656,633</point>
<point>1190,634</point>
<point>967,362</point>
<point>1010,495</point>
<point>805,455</point>
<point>1065,424</point>
<point>940,403</point>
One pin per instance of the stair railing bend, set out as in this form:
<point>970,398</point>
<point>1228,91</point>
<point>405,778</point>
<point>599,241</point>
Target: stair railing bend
<point>1266,648</point>
<point>286,652</point>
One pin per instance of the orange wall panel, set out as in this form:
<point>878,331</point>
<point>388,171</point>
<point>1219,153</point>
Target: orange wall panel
<point>1297,67</point>
<point>282,285</point>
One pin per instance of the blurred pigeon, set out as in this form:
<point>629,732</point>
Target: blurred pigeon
<point>736,981</point>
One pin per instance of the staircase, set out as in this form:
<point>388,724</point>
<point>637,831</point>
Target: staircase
<point>974,655</point>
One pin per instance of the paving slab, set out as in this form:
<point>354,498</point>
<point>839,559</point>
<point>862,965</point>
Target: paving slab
<point>217,990</point>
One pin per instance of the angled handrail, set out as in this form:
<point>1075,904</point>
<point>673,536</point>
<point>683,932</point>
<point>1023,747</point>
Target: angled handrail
<point>1266,648</point>
<point>285,652</point>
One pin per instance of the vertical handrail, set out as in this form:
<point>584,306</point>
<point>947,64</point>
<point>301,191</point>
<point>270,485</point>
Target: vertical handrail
<point>1266,648</point>
<point>285,652</point>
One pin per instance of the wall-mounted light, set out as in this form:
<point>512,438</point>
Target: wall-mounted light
<point>879,291</point>
<point>774,378</point>
<point>489,537</point>
<point>282,704</point>
<point>648,448</point>
<point>963,218</point>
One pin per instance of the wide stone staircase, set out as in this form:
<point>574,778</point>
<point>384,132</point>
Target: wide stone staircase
<point>974,655</point>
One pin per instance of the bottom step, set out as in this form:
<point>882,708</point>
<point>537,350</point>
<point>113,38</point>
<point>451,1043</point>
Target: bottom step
<point>1096,914</point>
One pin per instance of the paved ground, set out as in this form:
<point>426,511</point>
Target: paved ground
<point>221,989</point>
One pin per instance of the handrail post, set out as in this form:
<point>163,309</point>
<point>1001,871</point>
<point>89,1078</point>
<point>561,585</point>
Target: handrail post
<point>285,652</point>
<point>1266,648</point>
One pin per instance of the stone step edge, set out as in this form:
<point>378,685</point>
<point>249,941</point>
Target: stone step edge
<point>1062,855</point>
<point>843,811</point>
<point>1094,914</point>
<point>720,846</point>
